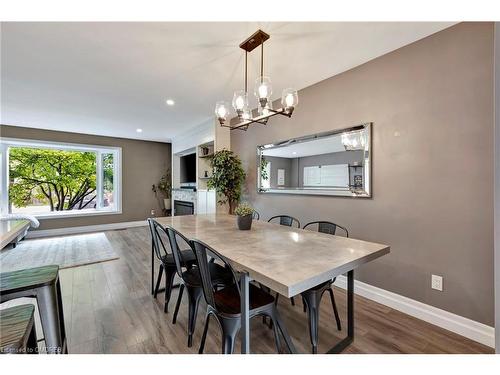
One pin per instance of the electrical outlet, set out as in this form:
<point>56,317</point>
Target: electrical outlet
<point>437,282</point>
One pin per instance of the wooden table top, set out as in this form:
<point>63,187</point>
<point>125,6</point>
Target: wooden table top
<point>16,323</point>
<point>288,260</point>
<point>16,281</point>
<point>10,229</point>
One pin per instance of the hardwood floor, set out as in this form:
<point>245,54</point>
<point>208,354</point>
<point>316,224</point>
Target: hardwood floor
<point>108,309</point>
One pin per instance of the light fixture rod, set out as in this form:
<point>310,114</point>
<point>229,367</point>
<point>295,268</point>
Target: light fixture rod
<point>261,62</point>
<point>246,71</point>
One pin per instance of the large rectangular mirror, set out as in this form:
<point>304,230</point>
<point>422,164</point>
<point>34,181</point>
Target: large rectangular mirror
<point>331,163</point>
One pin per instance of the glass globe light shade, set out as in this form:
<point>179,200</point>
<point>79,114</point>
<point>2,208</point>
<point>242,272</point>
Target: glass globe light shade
<point>263,90</point>
<point>221,111</point>
<point>240,101</point>
<point>246,114</point>
<point>354,140</point>
<point>265,110</point>
<point>289,99</point>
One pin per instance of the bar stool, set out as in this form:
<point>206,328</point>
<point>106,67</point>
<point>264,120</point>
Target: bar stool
<point>43,284</point>
<point>17,330</point>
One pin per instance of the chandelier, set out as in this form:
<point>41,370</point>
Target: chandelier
<point>262,91</point>
<point>355,140</point>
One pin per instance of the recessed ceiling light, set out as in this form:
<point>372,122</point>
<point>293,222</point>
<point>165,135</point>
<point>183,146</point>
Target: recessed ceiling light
<point>294,153</point>
<point>139,130</point>
<point>170,102</point>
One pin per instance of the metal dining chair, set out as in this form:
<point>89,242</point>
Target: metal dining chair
<point>326,227</point>
<point>225,306</point>
<point>167,263</point>
<point>286,220</point>
<point>311,298</point>
<point>190,280</point>
<point>255,215</point>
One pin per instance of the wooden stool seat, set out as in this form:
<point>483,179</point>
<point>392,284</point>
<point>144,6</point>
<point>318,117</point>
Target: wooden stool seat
<point>17,333</point>
<point>43,284</point>
<point>15,281</point>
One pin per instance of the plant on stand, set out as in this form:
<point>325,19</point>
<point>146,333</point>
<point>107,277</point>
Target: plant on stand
<point>244,214</point>
<point>227,178</point>
<point>164,187</point>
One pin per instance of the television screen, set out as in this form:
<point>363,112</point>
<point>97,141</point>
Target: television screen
<point>188,168</point>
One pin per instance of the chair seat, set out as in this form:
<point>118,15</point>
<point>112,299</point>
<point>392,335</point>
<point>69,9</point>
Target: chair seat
<point>187,257</point>
<point>219,275</point>
<point>228,299</point>
<point>16,324</point>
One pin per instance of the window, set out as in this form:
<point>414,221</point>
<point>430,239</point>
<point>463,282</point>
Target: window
<point>327,175</point>
<point>48,179</point>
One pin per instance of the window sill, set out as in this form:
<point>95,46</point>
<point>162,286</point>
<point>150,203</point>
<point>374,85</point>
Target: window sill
<point>60,215</point>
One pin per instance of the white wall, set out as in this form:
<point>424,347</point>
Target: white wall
<point>200,134</point>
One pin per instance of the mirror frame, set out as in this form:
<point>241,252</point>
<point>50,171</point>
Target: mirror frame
<point>367,165</point>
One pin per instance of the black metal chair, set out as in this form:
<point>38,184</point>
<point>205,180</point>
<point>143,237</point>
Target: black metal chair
<point>312,297</point>
<point>255,215</point>
<point>286,220</point>
<point>191,281</point>
<point>167,262</point>
<point>327,227</point>
<point>224,304</point>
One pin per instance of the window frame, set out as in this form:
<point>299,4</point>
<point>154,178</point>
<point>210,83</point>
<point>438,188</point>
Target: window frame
<point>6,143</point>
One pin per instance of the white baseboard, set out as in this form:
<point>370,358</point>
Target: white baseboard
<point>455,323</point>
<point>84,229</point>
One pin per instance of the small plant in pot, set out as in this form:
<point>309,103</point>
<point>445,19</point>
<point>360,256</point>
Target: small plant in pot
<point>244,213</point>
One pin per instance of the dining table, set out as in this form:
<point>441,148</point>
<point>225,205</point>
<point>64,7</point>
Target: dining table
<point>285,259</point>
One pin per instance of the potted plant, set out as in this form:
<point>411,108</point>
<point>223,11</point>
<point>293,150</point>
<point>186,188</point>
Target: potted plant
<point>244,214</point>
<point>227,177</point>
<point>164,186</point>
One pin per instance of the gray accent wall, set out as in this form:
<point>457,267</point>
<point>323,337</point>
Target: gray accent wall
<point>280,163</point>
<point>431,104</point>
<point>497,187</point>
<point>143,163</point>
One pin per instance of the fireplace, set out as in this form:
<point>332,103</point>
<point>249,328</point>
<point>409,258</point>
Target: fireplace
<point>183,208</point>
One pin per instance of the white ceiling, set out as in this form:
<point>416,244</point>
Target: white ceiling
<point>313,147</point>
<point>111,78</point>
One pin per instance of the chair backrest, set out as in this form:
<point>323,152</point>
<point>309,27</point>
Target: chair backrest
<point>173,236</point>
<point>286,220</point>
<point>202,252</point>
<point>326,227</point>
<point>255,215</point>
<point>160,239</point>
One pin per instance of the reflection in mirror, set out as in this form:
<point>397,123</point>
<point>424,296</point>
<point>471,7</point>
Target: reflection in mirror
<point>331,163</point>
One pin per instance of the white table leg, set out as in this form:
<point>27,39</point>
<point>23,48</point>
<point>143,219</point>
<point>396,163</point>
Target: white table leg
<point>245,321</point>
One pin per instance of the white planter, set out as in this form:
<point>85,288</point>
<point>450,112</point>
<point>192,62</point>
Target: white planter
<point>166,202</point>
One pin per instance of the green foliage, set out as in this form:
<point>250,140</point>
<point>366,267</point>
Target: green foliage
<point>227,177</point>
<point>244,209</point>
<point>165,184</point>
<point>263,171</point>
<point>108,171</point>
<point>63,179</point>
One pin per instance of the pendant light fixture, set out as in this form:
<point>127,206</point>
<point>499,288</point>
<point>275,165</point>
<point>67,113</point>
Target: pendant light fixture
<point>263,90</point>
